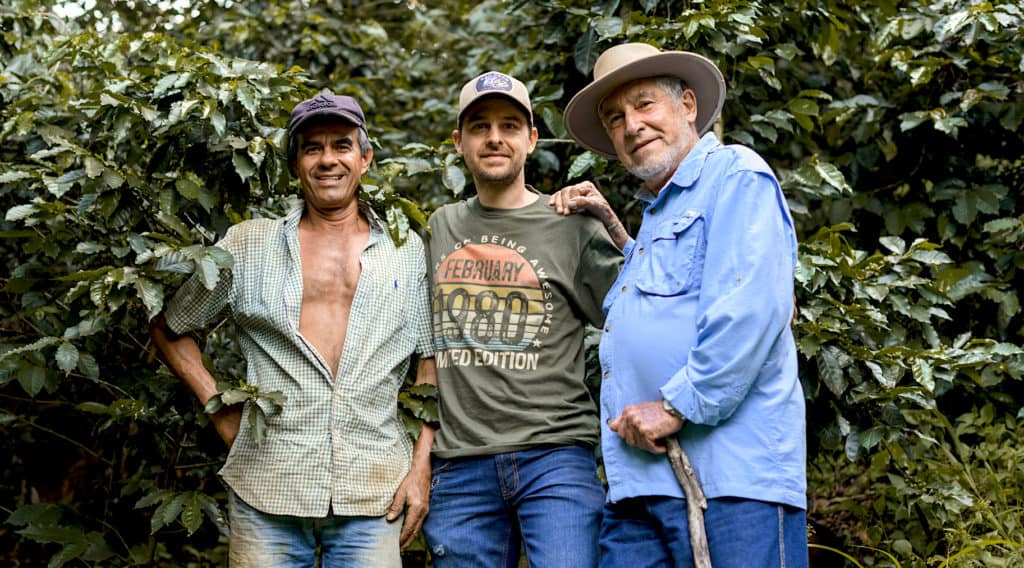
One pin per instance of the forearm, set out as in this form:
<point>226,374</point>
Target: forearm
<point>182,355</point>
<point>617,233</point>
<point>426,373</point>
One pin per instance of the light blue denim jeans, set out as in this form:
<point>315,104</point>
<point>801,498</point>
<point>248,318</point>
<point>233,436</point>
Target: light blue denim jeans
<point>653,532</point>
<point>545,500</point>
<point>260,540</point>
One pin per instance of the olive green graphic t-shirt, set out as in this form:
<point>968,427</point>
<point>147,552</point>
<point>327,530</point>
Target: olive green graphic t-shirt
<point>513,290</point>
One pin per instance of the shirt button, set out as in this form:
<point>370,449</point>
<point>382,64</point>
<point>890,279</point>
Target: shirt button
<point>607,328</point>
<point>624,288</point>
<point>607,374</point>
<point>641,251</point>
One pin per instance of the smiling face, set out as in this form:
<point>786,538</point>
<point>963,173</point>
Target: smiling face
<point>495,138</point>
<point>652,132</point>
<point>329,165</point>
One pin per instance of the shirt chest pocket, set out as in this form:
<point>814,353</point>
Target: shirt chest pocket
<point>675,258</point>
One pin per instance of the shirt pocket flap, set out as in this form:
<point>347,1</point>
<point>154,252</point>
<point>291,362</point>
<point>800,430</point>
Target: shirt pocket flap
<point>670,229</point>
<point>672,265</point>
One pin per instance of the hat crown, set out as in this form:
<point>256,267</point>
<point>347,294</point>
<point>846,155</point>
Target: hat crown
<point>495,83</point>
<point>621,55</point>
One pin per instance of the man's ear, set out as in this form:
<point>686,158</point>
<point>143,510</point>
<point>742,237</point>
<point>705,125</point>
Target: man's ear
<point>367,160</point>
<point>457,139</point>
<point>533,139</point>
<point>689,104</point>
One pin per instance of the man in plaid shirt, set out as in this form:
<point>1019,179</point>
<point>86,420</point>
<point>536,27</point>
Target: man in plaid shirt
<point>330,312</point>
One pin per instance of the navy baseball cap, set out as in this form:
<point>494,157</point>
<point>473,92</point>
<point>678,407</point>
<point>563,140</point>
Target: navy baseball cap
<point>326,105</point>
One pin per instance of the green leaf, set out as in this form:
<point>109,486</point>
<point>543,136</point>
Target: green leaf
<point>923,374</point>
<point>209,273</point>
<point>93,407</point>
<point>586,52</point>
<point>19,212</point>
<point>12,176</point>
<point>257,424</point>
<point>72,176</point>
<point>32,379</point>
<point>89,248</point>
<point>243,165</point>
<point>411,210</point>
<point>277,398</point>
<point>167,512</point>
<point>553,120</point>
<point>234,396</point>
<point>192,514</point>
<point>112,179</point>
<point>830,370</point>
<point>453,179</point>
<point>67,357</point>
<point>415,166</point>
<point>173,223</point>
<point>832,176</point>
<point>894,244</point>
<point>607,27</point>
<point>152,294</point>
<point>36,345</point>
<point>581,164</point>
<point>761,61</point>
<point>803,106</point>
<point>189,185</point>
<point>852,446</point>
<point>214,404</point>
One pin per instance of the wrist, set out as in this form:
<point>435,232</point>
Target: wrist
<point>667,406</point>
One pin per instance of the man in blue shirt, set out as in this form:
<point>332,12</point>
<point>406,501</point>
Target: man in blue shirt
<point>697,342</point>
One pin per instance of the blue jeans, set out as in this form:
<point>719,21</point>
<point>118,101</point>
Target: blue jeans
<point>261,540</point>
<point>653,532</point>
<point>483,509</point>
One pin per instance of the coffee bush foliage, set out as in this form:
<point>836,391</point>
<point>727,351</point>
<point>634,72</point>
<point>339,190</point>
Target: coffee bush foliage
<point>134,132</point>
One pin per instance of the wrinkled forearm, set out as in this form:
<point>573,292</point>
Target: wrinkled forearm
<point>182,355</point>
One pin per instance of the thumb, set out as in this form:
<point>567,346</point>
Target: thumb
<point>395,509</point>
<point>614,424</point>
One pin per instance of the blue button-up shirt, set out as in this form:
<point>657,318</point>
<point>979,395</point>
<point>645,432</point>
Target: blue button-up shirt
<point>700,316</point>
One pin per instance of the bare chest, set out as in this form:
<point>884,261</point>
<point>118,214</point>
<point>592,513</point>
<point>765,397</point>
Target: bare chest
<point>330,269</point>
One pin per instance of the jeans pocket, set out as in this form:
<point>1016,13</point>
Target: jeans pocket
<point>437,467</point>
<point>673,264</point>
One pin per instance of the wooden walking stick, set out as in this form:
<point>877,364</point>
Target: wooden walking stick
<point>695,502</point>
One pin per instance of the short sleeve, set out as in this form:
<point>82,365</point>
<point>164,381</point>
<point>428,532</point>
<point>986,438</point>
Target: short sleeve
<point>194,306</point>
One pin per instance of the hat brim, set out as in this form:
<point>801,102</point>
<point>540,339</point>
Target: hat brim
<point>583,122</point>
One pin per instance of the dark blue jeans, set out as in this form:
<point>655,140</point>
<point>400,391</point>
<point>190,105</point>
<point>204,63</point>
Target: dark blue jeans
<point>653,532</point>
<point>547,500</point>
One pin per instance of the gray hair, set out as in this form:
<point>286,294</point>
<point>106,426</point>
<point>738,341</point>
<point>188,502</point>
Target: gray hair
<point>674,86</point>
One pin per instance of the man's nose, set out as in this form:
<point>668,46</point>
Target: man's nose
<point>632,121</point>
<point>328,157</point>
<point>494,135</point>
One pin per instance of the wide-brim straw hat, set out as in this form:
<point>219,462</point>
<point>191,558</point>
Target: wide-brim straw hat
<point>621,64</point>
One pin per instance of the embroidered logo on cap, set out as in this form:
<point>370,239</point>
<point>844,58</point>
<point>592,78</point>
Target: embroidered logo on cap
<point>321,102</point>
<point>493,82</point>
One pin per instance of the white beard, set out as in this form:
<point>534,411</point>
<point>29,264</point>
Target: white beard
<point>657,166</point>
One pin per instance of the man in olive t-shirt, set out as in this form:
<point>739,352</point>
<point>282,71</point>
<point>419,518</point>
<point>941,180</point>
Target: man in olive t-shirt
<point>514,285</point>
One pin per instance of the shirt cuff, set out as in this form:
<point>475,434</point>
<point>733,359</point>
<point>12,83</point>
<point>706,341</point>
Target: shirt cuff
<point>630,242</point>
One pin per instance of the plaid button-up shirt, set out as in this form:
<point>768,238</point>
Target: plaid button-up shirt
<point>338,444</point>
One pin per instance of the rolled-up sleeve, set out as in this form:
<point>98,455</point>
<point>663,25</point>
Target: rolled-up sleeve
<point>745,302</point>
